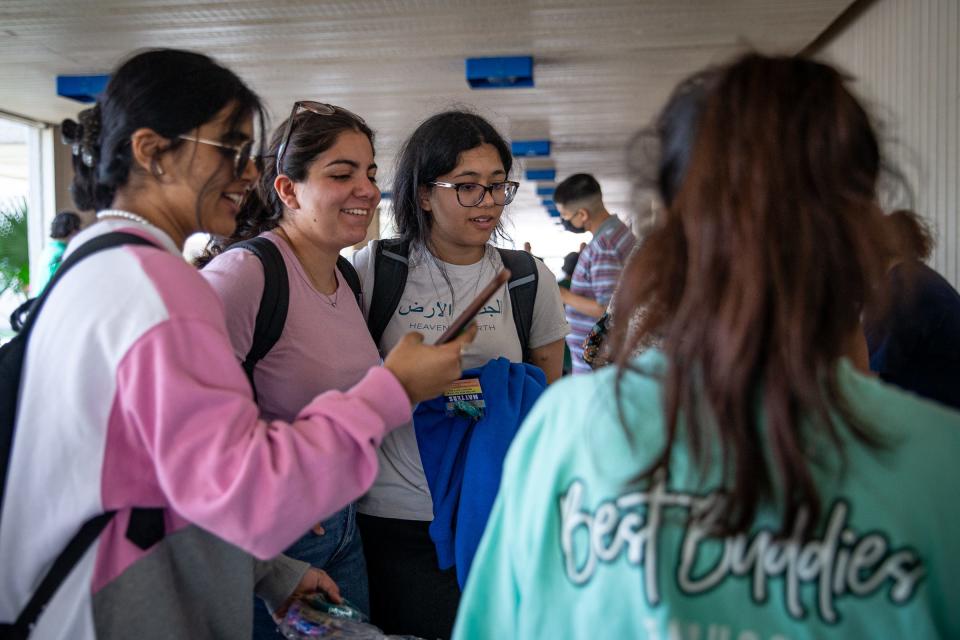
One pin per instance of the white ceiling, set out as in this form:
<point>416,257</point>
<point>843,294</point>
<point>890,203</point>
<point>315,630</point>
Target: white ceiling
<point>602,67</point>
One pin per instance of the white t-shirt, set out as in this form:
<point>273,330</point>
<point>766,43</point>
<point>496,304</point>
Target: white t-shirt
<point>428,304</point>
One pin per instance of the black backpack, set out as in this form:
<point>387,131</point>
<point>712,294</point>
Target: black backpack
<point>391,263</point>
<point>272,313</point>
<point>143,529</point>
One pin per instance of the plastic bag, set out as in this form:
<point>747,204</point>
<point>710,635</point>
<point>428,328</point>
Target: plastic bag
<point>317,617</point>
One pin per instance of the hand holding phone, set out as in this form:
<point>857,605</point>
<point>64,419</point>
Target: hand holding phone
<point>426,371</point>
<point>474,307</point>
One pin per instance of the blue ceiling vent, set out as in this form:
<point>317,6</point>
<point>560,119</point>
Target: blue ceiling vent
<point>81,88</point>
<point>386,195</point>
<point>500,73</point>
<point>545,191</point>
<point>530,148</point>
<point>554,212</point>
<point>541,174</point>
<point>548,204</point>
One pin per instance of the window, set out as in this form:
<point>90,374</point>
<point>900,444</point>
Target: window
<point>14,198</point>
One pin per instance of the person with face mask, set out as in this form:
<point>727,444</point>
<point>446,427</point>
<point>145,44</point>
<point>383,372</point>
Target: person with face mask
<point>581,209</point>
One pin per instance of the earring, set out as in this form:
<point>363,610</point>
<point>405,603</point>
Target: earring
<point>155,168</point>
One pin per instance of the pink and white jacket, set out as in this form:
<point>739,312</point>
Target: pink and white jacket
<point>132,397</point>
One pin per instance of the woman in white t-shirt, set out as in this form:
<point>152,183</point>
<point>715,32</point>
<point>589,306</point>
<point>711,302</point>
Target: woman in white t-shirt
<point>450,189</point>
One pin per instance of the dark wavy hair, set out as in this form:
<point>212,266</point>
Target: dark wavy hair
<point>262,209</point>
<point>167,90</point>
<point>771,244</point>
<point>432,150</point>
<point>64,224</point>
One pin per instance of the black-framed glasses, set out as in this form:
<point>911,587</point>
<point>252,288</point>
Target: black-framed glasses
<point>241,152</point>
<point>471,194</point>
<point>319,108</point>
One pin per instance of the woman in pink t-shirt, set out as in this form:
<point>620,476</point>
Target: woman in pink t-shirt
<point>316,196</point>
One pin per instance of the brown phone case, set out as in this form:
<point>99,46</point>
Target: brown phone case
<point>464,318</point>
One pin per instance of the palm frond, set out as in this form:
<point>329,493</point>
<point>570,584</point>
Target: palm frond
<point>14,246</point>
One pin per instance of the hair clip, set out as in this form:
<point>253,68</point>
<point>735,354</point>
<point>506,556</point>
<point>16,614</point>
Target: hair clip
<point>71,133</point>
<point>84,137</point>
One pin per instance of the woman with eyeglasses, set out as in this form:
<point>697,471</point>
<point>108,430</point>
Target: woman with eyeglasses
<point>134,420</point>
<point>317,195</point>
<point>451,186</point>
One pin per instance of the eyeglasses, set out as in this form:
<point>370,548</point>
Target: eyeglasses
<point>319,108</point>
<point>471,194</point>
<point>241,152</point>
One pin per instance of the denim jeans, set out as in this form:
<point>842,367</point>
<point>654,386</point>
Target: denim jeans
<point>339,552</point>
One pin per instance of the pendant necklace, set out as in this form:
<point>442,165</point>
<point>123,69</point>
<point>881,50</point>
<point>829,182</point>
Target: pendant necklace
<point>326,298</point>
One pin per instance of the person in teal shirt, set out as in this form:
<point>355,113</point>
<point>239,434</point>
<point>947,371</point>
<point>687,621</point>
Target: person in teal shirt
<point>742,481</point>
<point>65,225</point>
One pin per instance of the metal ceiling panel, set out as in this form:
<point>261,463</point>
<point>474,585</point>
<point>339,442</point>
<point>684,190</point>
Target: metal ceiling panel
<point>602,68</point>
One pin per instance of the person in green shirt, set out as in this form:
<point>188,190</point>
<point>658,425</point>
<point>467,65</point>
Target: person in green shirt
<point>65,225</point>
<point>742,480</point>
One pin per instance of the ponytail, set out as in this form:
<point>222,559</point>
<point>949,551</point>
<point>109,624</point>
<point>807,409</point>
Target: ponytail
<point>87,189</point>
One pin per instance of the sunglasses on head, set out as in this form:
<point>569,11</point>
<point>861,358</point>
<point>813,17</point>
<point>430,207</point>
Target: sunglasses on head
<point>319,108</point>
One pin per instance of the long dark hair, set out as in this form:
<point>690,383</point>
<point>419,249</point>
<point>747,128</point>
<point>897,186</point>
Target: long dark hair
<point>432,150</point>
<point>770,246</point>
<point>262,209</point>
<point>167,90</point>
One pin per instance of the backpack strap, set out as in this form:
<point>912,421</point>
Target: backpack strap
<point>12,356</point>
<point>352,278</point>
<point>272,314</point>
<point>522,287</point>
<point>15,351</point>
<point>19,315</point>
<point>275,301</point>
<point>58,572</point>
<point>391,263</point>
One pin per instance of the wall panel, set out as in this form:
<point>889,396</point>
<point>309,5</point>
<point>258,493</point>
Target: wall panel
<point>905,55</point>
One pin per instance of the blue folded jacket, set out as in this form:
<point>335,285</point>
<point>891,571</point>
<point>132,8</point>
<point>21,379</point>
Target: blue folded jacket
<point>463,459</point>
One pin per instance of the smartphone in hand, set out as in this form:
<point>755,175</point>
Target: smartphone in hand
<point>473,309</point>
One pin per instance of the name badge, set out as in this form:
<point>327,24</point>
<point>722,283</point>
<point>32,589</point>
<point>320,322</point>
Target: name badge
<point>464,399</point>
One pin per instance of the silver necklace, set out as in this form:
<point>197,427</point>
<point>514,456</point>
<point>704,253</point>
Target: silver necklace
<point>453,294</point>
<point>326,298</point>
<point>125,215</point>
<point>483,265</point>
<point>279,231</point>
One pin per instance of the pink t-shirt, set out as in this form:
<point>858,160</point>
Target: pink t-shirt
<point>323,346</point>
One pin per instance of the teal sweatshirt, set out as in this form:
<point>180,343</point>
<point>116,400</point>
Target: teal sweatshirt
<point>573,550</point>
